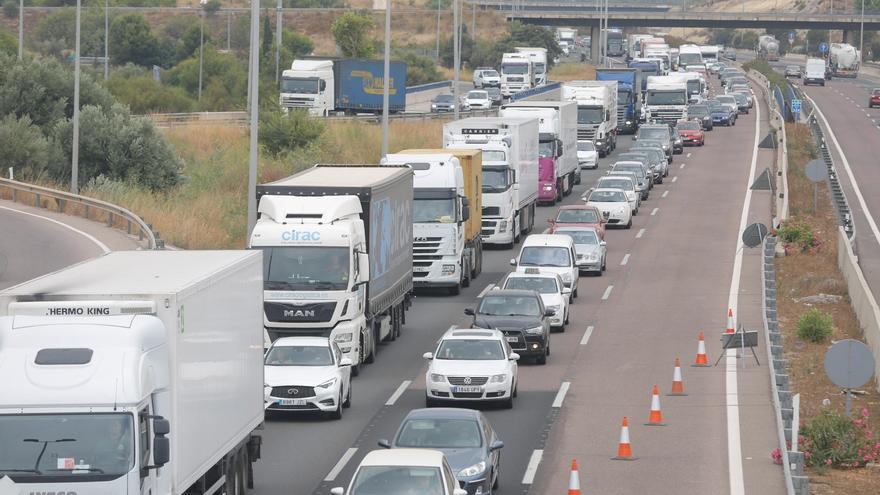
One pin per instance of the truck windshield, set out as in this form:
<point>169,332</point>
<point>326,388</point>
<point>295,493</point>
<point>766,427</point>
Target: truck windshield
<point>656,97</point>
<point>39,447</point>
<point>495,180</point>
<point>689,59</point>
<point>397,480</point>
<point>434,210</point>
<point>547,149</point>
<point>590,115</point>
<point>305,268</point>
<point>623,96</point>
<point>306,85</point>
<point>694,87</point>
<point>539,68</point>
<point>514,69</point>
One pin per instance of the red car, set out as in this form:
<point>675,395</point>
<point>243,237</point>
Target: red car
<point>691,133</point>
<point>875,98</point>
<point>578,216</point>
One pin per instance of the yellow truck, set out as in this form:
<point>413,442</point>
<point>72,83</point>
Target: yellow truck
<point>447,215</point>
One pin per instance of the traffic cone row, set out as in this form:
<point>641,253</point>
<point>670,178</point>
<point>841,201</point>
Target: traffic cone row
<point>624,449</point>
<point>677,382</point>
<point>702,361</point>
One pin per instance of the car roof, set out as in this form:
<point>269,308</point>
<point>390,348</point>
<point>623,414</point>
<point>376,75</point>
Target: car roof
<point>551,240</point>
<point>404,457</point>
<point>616,177</point>
<point>607,189</point>
<point>302,341</point>
<point>540,274</point>
<point>577,207</point>
<point>513,292</point>
<point>627,162</point>
<point>577,227</point>
<point>444,413</point>
<point>472,334</point>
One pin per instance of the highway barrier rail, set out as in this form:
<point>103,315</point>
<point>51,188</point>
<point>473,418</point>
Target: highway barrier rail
<point>74,204</point>
<point>166,120</point>
<point>777,122</point>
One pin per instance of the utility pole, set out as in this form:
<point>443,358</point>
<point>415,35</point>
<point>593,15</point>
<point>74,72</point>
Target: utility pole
<point>201,45</point>
<point>279,17</point>
<point>106,39</point>
<point>862,35</point>
<point>386,84</point>
<point>74,166</point>
<point>456,56</point>
<point>253,98</point>
<point>20,29</point>
<point>438,29</point>
<point>228,30</point>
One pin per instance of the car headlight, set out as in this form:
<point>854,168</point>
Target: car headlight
<point>433,105</point>
<point>665,146</point>
<point>593,257</point>
<point>628,122</point>
<point>474,470</point>
<point>343,337</point>
<point>329,383</point>
<point>437,378</point>
<point>556,308</point>
<point>498,378</point>
<point>548,188</point>
<point>502,226</point>
<point>535,330</point>
<point>621,209</point>
<point>566,277</point>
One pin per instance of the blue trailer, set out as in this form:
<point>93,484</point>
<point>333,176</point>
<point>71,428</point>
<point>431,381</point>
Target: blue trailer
<point>359,85</point>
<point>648,68</point>
<point>629,83</point>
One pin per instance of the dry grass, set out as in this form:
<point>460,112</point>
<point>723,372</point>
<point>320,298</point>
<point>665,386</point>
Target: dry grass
<point>572,71</point>
<point>805,274</point>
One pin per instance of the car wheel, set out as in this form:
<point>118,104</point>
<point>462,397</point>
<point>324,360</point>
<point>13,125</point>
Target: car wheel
<point>542,359</point>
<point>337,414</point>
<point>636,211</point>
<point>629,224</point>
<point>347,402</point>
<point>603,266</point>
<point>574,293</point>
<point>508,404</point>
<point>565,321</point>
<point>497,478</point>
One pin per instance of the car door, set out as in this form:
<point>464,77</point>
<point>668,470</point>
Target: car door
<point>345,371</point>
<point>575,273</point>
<point>489,437</point>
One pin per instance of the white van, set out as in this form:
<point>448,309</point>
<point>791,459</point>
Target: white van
<point>815,72</point>
<point>553,253</point>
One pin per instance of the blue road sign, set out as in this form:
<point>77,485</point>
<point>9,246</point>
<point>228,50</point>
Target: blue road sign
<point>791,37</point>
<point>823,47</point>
<point>796,106</point>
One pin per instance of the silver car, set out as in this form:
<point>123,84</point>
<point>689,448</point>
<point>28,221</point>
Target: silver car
<point>655,154</point>
<point>636,156</point>
<point>639,168</point>
<point>658,132</point>
<point>640,182</point>
<point>591,251</point>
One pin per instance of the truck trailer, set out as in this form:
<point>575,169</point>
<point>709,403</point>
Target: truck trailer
<point>597,112</point>
<point>843,60</point>
<point>629,96</point>
<point>538,56</point>
<point>132,373</point>
<point>337,248</point>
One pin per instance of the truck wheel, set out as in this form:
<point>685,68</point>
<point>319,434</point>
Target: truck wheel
<point>371,357</point>
<point>455,289</point>
<point>466,274</point>
<point>577,176</point>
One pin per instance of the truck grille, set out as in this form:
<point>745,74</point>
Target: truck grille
<point>293,392</point>
<point>299,313</point>
<point>621,115</point>
<point>475,380</point>
<point>291,101</point>
<point>667,116</point>
<point>515,79</point>
<point>488,227</point>
<point>586,133</point>
<point>491,211</point>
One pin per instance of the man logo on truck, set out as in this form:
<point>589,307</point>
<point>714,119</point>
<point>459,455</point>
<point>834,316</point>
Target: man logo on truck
<point>299,313</point>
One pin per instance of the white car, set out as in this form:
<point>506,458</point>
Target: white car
<point>613,205</point>
<point>550,253</point>
<point>471,365</point>
<point>591,250</point>
<point>478,99</point>
<point>307,374</point>
<point>626,185</point>
<point>553,292</point>
<point>588,157</point>
<point>486,76</point>
<point>402,472</point>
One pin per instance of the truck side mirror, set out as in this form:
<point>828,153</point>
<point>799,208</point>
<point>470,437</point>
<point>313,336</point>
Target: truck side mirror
<point>559,149</point>
<point>363,267</point>
<point>323,85</point>
<point>465,212</point>
<point>161,451</point>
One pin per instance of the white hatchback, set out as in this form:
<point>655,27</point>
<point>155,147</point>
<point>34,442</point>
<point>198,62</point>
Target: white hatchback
<point>478,99</point>
<point>587,155</point>
<point>551,253</point>
<point>613,205</point>
<point>307,374</point>
<point>626,185</point>
<point>471,365</point>
<point>553,292</point>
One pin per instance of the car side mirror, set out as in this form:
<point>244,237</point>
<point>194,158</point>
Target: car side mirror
<point>338,490</point>
<point>469,311</point>
<point>551,221</point>
<point>385,444</point>
<point>513,356</point>
<point>566,290</point>
<point>496,445</point>
<point>345,362</point>
<point>428,355</point>
<point>459,491</point>
<point>549,312</point>
<point>603,243</point>
<point>512,261</point>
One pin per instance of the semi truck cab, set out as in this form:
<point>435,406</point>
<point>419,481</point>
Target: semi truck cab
<point>308,84</point>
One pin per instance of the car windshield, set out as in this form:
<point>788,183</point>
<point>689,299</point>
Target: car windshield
<point>494,179</point>
<point>581,236</point>
<point>509,306</point>
<point>610,183</point>
<point>490,73</point>
<point>586,146</point>
<point>543,285</point>
<point>478,95</point>
<point>431,433</point>
<point>577,216</point>
<point>301,85</point>
<point>694,87</point>
<point>740,98</point>
<point>698,111</point>
<point>397,480</point>
<point>657,97</point>
<point>716,106</point>
<point>654,133</point>
<point>877,92</point>
<point>726,99</point>
<point>607,197</point>
<point>688,126</point>
<point>299,355</point>
<point>51,448</point>
<point>305,267</point>
<point>514,68</point>
<point>545,256</point>
<point>470,350</point>
<point>433,210</point>
<point>590,115</point>
<point>444,99</point>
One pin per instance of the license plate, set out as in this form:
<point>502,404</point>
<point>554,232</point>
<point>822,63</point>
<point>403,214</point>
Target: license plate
<point>512,339</point>
<point>464,390</point>
<point>292,402</point>
<point>421,270</point>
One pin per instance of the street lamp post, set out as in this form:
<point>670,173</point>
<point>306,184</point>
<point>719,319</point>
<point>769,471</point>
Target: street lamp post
<point>74,154</point>
<point>106,39</point>
<point>278,27</point>
<point>438,30</point>
<point>387,80</point>
<point>253,98</point>
<point>862,35</point>
<point>201,45</point>
<point>20,29</point>
<point>456,58</point>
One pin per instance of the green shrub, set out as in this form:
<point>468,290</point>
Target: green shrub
<point>833,440</point>
<point>23,146</point>
<point>420,70</point>
<point>815,326</point>
<point>144,95</point>
<point>8,43</point>
<point>280,133</point>
<point>10,9</point>
<point>224,84</point>
<point>799,234</point>
<point>211,7</point>
<point>132,41</point>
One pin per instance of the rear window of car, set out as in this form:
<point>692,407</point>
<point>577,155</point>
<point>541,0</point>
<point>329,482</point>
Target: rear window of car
<point>689,126</point>
<point>877,92</point>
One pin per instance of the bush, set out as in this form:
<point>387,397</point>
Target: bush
<point>224,80</point>
<point>8,44</point>
<point>833,440</point>
<point>132,41</point>
<point>280,133</point>
<point>351,31</point>
<point>211,7</point>
<point>420,70</point>
<point>10,9</point>
<point>23,146</point>
<point>56,34</point>
<point>799,234</point>
<point>815,326</point>
<point>144,95</point>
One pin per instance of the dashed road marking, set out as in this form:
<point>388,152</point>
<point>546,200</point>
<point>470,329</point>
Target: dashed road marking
<point>532,467</point>
<point>625,260</point>
<point>607,292</point>
<point>682,165</point>
<point>560,395</point>
<point>484,291</point>
<point>674,179</point>
<point>341,464</point>
<point>654,211</point>
<point>665,193</point>
<point>587,334</point>
<point>689,154</point>
<point>397,393</point>
<point>640,234</point>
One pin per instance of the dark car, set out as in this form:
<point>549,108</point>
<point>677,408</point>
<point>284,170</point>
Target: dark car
<point>520,315</point>
<point>646,160</point>
<point>875,98</point>
<point>701,113</point>
<point>659,132</point>
<point>443,103</point>
<point>655,155</point>
<point>494,95</point>
<point>465,436</point>
<point>677,143</point>
<point>721,115</point>
<point>742,101</point>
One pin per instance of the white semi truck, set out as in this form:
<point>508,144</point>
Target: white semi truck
<point>666,99</point>
<point>538,56</point>
<point>517,73</point>
<point>510,172</point>
<point>138,372</point>
<point>337,248</point>
<point>710,53</point>
<point>689,55</point>
<point>597,112</point>
<point>843,59</point>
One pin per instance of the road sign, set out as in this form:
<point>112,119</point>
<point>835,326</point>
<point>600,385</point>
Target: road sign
<point>823,47</point>
<point>791,37</point>
<point>816,170</point>
<point>849,364</point>
<point>796,105</point>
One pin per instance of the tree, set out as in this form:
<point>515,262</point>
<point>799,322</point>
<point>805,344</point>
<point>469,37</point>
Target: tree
<point>519,34</point>
<point>297,45</point>
<point>280,133</point>
<point>351,32</point>
<point>211,7</point>
<point>8,43</point>
<point>56,33</point>
<point>420,70</point>
<point>23,146</point>
<point>10,9</point>
<point>189,43</point>
<point>132,40</point>
<point>225,79</point>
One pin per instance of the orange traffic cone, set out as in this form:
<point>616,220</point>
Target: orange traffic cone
<point>574,482</point>
<point>702,360</point>
<point>677,383</point>
<point>656,417</point>
<point>624,450</point>
<point>730,322</point>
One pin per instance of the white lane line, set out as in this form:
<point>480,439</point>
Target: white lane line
<point>532,467</point>
<point>689,154</point>
<point>849,173</point>
<point>640,234</point>
<point>90,237</point>
<point>682,165</point>
<point>654,211</point>
<point>607,292</point>
<point>484,291</point>
<point>665,193</point>
<point>560,395</point>
<point>625,260</point>
<point>397,393</point>
<point>341,464</point>
<point>675,179</point>
<point>587,334</point>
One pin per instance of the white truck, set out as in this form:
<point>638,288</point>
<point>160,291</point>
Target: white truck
<point>558,169</point>
<point>538,56</point>
<point>689,55</point>
<point>710,53</point>
<point>597,112</point>
<point>814,72</point>
<point>517,73</point>
<point>666,99</point>
<point>137,372</point>
<point>566,39</point>
<point>510,172</point>
<point>697,88</point>
<point>768,47</point>
<point>661,51</point>
<point>634,44</point>
<point>843,59</point>
<point>337,248</point>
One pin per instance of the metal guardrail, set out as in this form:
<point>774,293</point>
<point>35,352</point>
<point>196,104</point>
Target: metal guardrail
<point>778,123</point>
<point>535,91</point>
<point>114,216</point>
<point>164,120</point>
<point>428,86</point>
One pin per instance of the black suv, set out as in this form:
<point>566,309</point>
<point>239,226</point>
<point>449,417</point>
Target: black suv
<point>521,316</point>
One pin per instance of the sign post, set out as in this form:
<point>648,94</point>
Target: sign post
<point>849,364</point>
<point>796,109</point>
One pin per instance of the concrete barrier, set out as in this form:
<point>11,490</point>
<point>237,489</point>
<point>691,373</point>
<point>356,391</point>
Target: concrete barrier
<point>860,296</point>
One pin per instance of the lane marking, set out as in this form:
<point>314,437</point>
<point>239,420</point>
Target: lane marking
<point>682,165</point>
<point>90,237</point>
<point>587,334</point>
<point>484,291</point>
<point>560,395</point>
<point>640,234</point>
<point>625,260</point>
<point>675,179</point>
<point>665,193</point>
<point>397,393</point>
<point>689,154</point>
<point>607,292</point>
<point>532,467</point>
<point>341,464</point>
<point>654,211</point>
